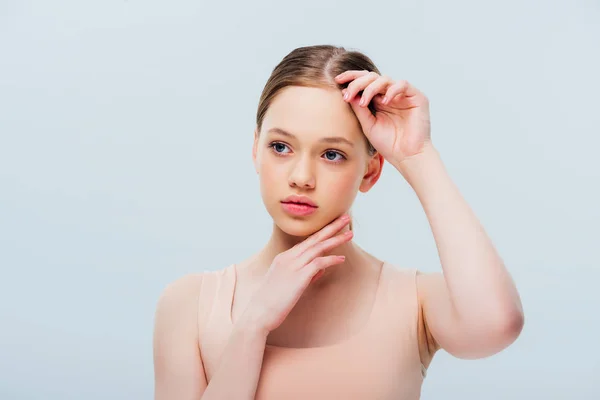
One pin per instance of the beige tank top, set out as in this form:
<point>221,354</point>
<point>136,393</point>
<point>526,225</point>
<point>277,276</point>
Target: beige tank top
<point>381,361</point>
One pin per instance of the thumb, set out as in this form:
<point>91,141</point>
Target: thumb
<point>317,275</point>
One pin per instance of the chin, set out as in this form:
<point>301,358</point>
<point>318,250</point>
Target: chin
<point>301,226</point>
<point>297,228</point>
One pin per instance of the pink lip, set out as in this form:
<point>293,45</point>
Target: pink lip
<point>299,199</point>
<point>298,209</point>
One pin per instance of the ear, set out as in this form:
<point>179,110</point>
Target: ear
<point>373,172</point>
<point>254,150</point>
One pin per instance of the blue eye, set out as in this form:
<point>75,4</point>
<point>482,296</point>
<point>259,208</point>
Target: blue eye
<point>275,145</point>
<point>278,148</point>
<point>334,154</point>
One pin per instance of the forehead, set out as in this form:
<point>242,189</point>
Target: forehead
<point>311,110</point>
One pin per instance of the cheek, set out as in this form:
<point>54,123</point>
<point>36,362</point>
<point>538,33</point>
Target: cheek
<point>270,177</point>
<point>343,185</point>
<point>348,179</point>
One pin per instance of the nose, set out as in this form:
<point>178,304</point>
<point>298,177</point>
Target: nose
<point>301,175</point>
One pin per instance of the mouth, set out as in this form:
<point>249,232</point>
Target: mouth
<point>299,200</point>
<point>298,203</point>
<point>298,209</point>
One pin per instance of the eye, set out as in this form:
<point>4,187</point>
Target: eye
<point>334,153</point>
<point>278,148</point>
<point>277,145</point>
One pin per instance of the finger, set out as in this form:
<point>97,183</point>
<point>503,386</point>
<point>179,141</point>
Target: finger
<point>364,115</point>
<point>321,263</point>
<point>380,85</point>
<point>322,247</point>
<point>399,88</point>
<point>378,98</point>
<point>349,75</point>
<point>359,84</point>
<point>324,233</point>
<point>325,236</point>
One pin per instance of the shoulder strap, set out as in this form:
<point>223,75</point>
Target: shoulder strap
<point>206,299</point>
<point>216,297</point>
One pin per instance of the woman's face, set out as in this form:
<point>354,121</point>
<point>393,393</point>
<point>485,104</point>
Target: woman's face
<point>323,156</point>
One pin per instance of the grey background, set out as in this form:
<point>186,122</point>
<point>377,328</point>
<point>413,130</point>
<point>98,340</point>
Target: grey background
<point>125,163</point>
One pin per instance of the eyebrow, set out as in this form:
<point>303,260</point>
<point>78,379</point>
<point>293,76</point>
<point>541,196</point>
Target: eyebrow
<point>331,139</point>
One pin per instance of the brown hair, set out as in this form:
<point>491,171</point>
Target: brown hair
<point>313,66</point>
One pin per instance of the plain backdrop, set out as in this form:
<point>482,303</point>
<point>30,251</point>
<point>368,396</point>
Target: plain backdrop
<point>125,163</point>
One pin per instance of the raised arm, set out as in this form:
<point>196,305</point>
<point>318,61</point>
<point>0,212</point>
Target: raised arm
<point>472,309</point>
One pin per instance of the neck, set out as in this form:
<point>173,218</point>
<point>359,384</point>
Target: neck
<point>281,241</point>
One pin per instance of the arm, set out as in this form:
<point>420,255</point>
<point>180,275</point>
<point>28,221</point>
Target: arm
<point>472,309</point>
<point>239,369</point>
<point>178,369</point>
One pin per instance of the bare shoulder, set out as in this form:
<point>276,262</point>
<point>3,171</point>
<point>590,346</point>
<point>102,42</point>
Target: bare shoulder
<point>185,302</point>
<point>178,368</point>
<point>179,299</point>
<point>180,291</point>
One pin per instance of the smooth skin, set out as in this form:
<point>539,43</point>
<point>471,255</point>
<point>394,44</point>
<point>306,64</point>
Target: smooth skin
<point>179,373</point>
<point>471,309</point>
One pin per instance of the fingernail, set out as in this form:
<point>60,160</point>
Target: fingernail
<point>345,218</point>
<point>346,96</point>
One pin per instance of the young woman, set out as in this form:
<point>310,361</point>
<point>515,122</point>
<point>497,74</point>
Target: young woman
<point>312,315</point>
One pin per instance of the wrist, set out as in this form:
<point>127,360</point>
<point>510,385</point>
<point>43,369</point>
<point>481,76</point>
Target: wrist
<point>249,323</point>
<point>416,166</point>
